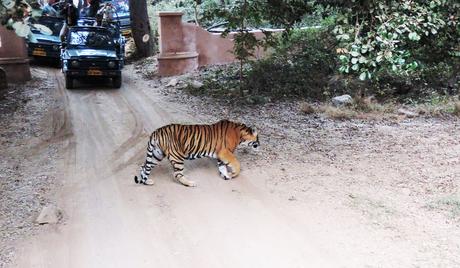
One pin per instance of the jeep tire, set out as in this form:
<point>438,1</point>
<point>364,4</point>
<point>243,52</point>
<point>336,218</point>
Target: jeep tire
<point>116,81</point>
<point>68,82</point>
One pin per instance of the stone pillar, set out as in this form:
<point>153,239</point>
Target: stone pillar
<point>13,56</point>
<point>177,45</point>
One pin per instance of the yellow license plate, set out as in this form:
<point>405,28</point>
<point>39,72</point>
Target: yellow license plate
<point>39,52</point>
<point>94,72</point>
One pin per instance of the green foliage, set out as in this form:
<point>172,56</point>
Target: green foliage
<point>300,66</point>
<point>14,15</point>
<point>386,49</point>
<point>392,35</point>
<point>240,14</point>
<point>284,13</point>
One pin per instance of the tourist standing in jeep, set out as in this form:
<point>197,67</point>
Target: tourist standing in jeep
<point>70,13</point>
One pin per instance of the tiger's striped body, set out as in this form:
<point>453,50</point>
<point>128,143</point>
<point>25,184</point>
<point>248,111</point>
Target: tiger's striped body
<point>186,142</point>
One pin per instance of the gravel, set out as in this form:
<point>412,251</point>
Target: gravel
<point>398,173</point>
<point>26,172</point>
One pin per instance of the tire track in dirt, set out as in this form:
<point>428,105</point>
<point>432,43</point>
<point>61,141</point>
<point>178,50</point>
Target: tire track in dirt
<point>61,124</point>
<point>112,222</point>
<point>138,104</point>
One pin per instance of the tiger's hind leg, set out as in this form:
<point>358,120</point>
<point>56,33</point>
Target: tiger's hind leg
<point>154,156</point>
<point>230,162</point>
<point>178,166</point>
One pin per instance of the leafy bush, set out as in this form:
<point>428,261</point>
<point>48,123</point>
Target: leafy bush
<point>14,15</point>
<point>298,67</point>
<point>387,49</point>
<point>395,35</point>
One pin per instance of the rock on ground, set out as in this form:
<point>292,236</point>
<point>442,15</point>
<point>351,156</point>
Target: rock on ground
<point>342,100</point>
<point>49,215</point>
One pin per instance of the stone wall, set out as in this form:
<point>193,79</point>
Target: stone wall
<point>13,56</point>
<point>185,46</point>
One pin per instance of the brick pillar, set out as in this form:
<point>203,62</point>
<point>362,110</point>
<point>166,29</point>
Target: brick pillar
<point>177,45</point>
<point>13,56</point>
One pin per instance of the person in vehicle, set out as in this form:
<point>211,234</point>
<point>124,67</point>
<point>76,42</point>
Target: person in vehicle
<point>70,13</point>
<point>91,9</point>
<point>106,14</point>
<point>94,7</point>
<point>47,9</point>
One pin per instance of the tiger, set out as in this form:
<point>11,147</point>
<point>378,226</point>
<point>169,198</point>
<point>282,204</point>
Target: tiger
<point>178,142</point>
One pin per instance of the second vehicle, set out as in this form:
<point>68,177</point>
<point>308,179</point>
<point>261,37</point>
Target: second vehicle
<point>92,52</point>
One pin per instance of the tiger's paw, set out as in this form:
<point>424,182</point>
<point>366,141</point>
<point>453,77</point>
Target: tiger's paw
<point>225,177</point>
<point>224,172</point>
<point>149,182</point>
<point>186,182</point>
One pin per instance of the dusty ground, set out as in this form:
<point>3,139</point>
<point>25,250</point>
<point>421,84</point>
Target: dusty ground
<point>27,162</point>
<point>320,193</point>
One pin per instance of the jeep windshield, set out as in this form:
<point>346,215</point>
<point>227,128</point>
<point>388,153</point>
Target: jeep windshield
<point>52,23</point>
<point>121,6</point>
<point>93,39</point>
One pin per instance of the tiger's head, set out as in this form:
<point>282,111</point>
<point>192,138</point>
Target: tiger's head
<point>249,137</point>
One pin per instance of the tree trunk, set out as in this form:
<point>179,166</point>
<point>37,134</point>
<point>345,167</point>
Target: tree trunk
<point>140,28</point>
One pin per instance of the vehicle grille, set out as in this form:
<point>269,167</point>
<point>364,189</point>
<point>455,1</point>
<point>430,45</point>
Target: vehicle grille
<point>96,64</point>
<point>41,45</point>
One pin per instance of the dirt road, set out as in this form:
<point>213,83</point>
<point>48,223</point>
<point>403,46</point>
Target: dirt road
<point>112,222</point>
<point>109,221</point>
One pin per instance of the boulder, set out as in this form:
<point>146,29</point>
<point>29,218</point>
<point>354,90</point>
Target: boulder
<point>342,100</point>
<point>172,83</point>
<point>196,84</point>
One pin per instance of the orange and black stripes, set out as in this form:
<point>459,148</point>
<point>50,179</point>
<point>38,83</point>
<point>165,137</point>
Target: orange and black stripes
<point>180,142</point>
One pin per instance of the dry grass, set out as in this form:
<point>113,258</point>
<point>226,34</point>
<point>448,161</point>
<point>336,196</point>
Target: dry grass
<point>457,108</point>
<point>307,108</point>
<point>437,108</point>
<point>368,108</point>
<point>363,104</point>
<point>341,113</point>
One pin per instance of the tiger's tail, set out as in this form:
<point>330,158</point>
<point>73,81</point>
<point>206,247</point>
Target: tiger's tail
<point>154,156</point>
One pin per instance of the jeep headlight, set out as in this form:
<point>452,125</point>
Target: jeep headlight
<point>55,47</point>
<point>74,63</point>
<point>112,64</point>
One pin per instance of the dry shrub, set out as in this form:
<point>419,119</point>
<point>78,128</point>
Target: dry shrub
<point>307,108</point>
<point>341,113</point>
<point>457,108</point>
<point>363,104</point>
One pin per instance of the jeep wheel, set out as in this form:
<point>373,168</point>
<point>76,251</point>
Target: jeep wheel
<point>68,82</point>
<point>116,81</point>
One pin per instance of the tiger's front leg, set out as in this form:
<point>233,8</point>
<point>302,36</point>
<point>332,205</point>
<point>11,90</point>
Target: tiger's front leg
<point>178,166</point>
<point>223,170</point>
<point>230,162</point>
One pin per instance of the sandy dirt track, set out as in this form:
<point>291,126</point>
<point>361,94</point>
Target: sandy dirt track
<point>109,221</point>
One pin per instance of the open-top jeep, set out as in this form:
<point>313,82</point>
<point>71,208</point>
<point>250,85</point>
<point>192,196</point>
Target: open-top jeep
<point>91,51</point>
<point>44,42</point>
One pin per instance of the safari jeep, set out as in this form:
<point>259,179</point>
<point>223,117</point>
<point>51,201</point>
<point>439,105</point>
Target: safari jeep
<point>44,42</point>
<point>91,51</point>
